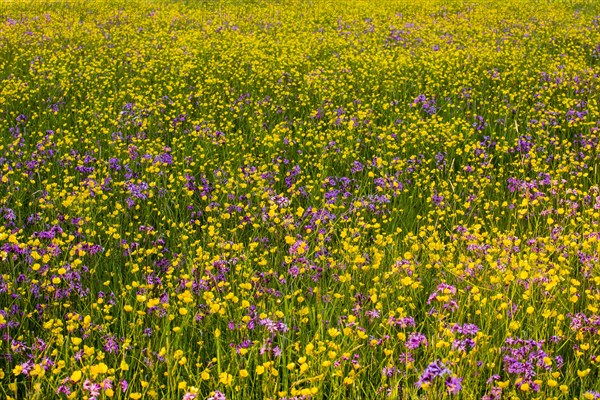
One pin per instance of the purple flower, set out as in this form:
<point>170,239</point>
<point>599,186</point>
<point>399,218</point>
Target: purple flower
<point>453,384</point>
<point>463,344</point>
<point>437,199</point>
<point>92,387</point>
<point>432,371</point>
<point>466,329</point>
<point>440,159</point>
<point>111,345</point>
<point>429,106</point>
<point>441,290</point>
<point>189,396</point>
<point>63,389</point>
<point>402,322</point>
<point>479,123</point>
<point>138,190</point>
<point>415,339</point>
<point>356,167</point>
<point>164,158</point>
<point>524,358</point>
<point>273,326</point>
<point>217,396</point>
<point>406,358</point>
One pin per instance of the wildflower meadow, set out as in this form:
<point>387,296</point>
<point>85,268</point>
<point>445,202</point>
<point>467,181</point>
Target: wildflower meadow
<point>268,199</point>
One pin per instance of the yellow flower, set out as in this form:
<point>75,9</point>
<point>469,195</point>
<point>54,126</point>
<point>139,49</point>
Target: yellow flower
<point>583,373</point>
<point>564,388</point>
<point>225,378</point>
<point>76,376</point>
<point>98,369</point>
<point>37,371</point>
<point>244,373</point>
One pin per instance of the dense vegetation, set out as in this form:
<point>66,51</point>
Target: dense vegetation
<point>254,199</point>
